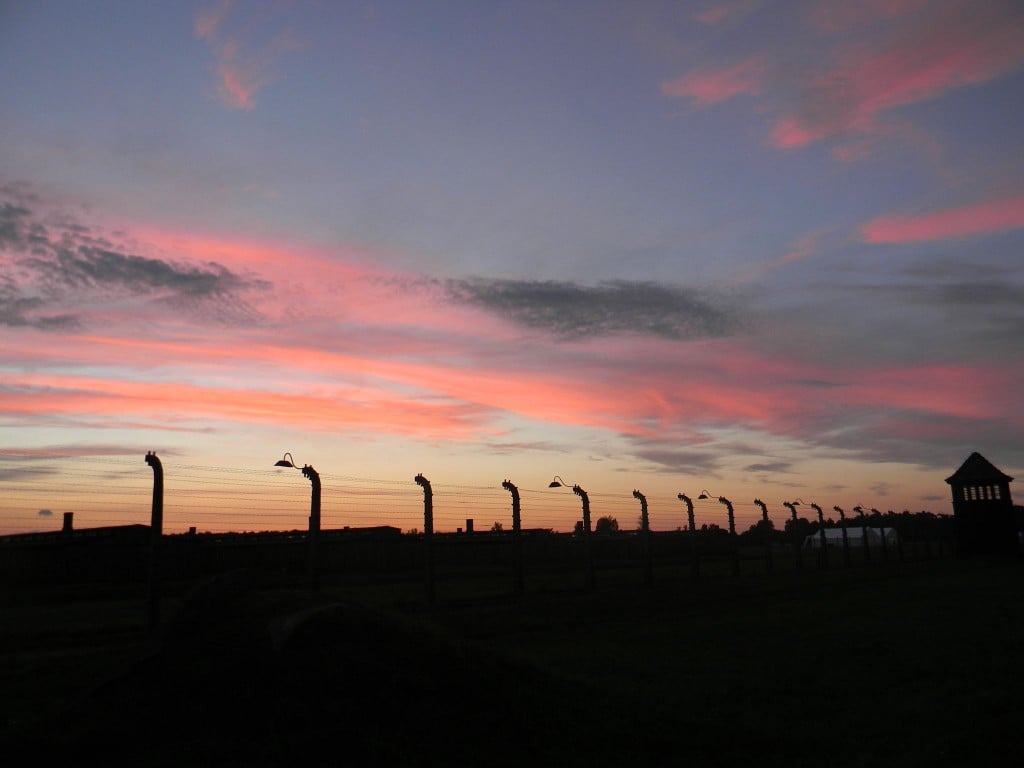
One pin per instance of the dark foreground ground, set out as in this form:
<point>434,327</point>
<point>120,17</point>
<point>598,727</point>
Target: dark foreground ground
<point>899,665</point>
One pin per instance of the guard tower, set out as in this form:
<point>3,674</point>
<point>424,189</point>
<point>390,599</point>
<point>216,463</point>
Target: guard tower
<point>983,509</point>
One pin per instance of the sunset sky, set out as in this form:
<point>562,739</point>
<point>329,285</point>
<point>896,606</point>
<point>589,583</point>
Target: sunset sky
<point>768,249</point>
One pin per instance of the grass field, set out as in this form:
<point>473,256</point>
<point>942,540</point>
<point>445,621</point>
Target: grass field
<point>906,664</point>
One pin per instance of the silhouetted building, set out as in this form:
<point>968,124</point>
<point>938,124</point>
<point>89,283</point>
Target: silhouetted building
<point>983,509</point>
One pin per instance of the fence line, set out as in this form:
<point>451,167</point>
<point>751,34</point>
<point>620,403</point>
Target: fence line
<point>110,490</point>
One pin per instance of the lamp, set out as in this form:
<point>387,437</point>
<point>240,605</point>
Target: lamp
<point>314,513</point>
<point>558,482</point>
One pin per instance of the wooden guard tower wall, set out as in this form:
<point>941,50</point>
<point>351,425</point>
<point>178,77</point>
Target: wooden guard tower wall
<point>983,509</point>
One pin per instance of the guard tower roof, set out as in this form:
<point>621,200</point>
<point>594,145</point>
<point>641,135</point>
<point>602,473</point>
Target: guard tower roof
<point>977,469</point>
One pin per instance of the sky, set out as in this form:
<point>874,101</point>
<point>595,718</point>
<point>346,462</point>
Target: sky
<point>764,249</point>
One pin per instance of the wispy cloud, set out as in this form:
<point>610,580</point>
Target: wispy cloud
<point>864,62</point>
<point>574,310</point>
<point>979,218</point>
<point>722,12</point>
<point>842,15</point>
<point>209,19</point>
<point>715,85</point>
<point>805,247</point>
<point>242,69</point>
<point>329,408</point>
<point>75,450</point>
<point>948,45</point>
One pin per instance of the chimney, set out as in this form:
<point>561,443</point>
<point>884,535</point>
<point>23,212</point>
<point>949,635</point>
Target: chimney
<point>469,525</point>
<point>68,522</point>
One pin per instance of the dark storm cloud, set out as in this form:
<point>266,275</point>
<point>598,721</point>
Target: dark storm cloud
<point>58,261</point>
<point>575,310</point>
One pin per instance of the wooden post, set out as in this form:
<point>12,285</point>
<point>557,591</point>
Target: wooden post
<point>156,528</point>
<point>587,538</point>
<point>645,532</point>
<point>517,539</point>
<point>769,563</point>
<point>428,535</point>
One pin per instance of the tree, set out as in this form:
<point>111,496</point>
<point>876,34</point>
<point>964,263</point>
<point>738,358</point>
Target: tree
<point>758,533</point>
<point>606,524</point>
<point>497,527</point>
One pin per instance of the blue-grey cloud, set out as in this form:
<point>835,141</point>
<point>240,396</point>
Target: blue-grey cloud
<point>517,448</point>
<point>45,513</point>
<point>87,266</point>
<point>17,311</point>
<point>576,310</point>
<point>933,441</point>
<point>59,262</point>
<point>681,461</point>
<point>881,489</point>
<point>13,218</point>
<point>770,466</point>
<point>973,292</point>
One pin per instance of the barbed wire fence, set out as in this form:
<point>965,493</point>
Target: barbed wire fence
<point>115,490</point>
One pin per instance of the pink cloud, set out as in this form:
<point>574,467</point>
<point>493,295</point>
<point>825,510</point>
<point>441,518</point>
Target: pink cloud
<point>238,80</point>
<point>209,19</point>
<point>958,45</point>
<point>962,391</point>
<point>980,218</point>
<point>711,87</point>
<point>792,132</point>
<point>716,14</point>
<point>241,73</point>
<point>332,408</point>
<point>805,247</point>
<point>343,344</point>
